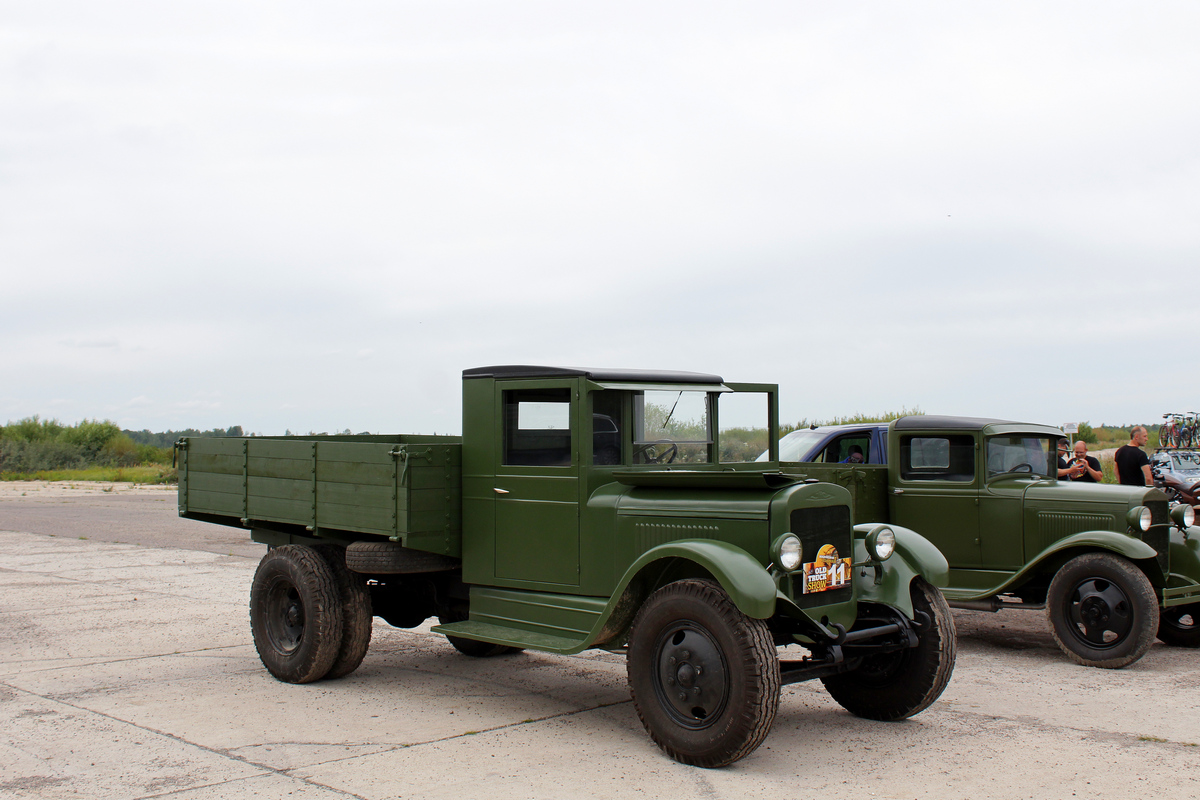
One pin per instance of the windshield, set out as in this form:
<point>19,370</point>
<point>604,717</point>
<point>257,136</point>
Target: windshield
<point>797,444</point>
<point>1186,462</point>
<point>671,427</point>
<point>1021,455</point>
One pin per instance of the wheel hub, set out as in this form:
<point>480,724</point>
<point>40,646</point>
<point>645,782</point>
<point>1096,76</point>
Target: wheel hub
<point>691,679</point>
<point>1100,613</point>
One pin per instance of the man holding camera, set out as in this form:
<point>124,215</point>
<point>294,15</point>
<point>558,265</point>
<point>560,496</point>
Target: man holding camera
<point>1086,469</point>
<point>1067,469</point>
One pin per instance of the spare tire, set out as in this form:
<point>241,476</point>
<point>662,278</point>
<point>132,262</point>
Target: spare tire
<point>389,558</point>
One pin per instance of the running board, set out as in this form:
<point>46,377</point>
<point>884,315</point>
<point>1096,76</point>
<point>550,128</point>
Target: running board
<point>513,637</point>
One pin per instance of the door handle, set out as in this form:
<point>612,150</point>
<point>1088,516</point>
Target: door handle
<point>500,491</point>
<point>897,491</point>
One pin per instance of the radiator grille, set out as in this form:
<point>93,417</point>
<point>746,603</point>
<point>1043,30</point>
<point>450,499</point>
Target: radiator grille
<point>817,527</point>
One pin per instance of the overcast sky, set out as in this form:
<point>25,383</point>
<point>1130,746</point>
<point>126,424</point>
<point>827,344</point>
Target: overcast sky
<point>288,215</point>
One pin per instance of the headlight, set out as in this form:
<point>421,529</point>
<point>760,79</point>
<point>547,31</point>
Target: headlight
<point>1183,515</point>
<point>787,552</point>
<point>1139,518</point>
<point>881,543</point>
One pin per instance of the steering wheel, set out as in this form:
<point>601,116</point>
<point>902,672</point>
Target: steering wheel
<point>1022,467</point>
<point>650,453</point>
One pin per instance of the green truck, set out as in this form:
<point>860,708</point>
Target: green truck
<point>1112,566</point>
<point>613,509</point>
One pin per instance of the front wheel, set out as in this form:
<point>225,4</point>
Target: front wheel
<point>1103,610</point>
<point>704,677</point>
<point>897,685</point>
<point>296,614</point>
<point>1180,625</point>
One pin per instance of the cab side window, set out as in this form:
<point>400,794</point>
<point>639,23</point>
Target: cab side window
<point>606,429</point>
<point>537,428</point>
<point>854,449</point>
<point>937,458</point>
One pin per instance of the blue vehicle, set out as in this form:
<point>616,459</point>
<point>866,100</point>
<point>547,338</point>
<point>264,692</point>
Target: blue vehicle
<point>834,444</point>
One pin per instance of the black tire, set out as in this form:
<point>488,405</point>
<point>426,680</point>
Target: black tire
<point>1103,610</point>
<point>1164,436</point>
<point>1180,625</point>
<point>895,686</point>
<point>389,558</point>
<point>704,677</point>
<point>473,647</point>
<point>295,614</point>
<point>356,612</point>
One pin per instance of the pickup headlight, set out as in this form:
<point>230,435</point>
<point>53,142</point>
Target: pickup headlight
<point>881,543</point>
<point>1183,515</point>
<point>787,552</point>
<point>1139,518</point>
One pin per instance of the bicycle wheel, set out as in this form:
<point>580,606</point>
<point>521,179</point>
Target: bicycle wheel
<point>1164,435</point>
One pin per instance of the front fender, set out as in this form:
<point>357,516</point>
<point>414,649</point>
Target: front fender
<point>914,556</point>
<point>1119,543</point>
<point>746,581</point>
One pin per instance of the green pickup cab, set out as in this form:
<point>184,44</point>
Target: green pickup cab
<point>614,509</point>
<point>1112,566</point>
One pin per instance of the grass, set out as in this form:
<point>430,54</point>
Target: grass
<point>151,474</point>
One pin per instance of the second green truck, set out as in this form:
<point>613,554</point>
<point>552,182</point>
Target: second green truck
<point>1113,567</point>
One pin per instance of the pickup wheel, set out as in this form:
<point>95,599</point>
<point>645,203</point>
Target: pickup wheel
<point>704,677</point>
<point>897,685</point>
<point>296,614</point>
<point>355,599</point>
<point>1103,610</point>
<point>1180,625</point>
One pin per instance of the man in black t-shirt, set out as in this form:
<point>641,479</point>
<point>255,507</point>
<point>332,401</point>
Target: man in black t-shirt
<point>1064,466</point>
<point>1092,473</point>
<point>1133,465</point>
<point>1067,470</point>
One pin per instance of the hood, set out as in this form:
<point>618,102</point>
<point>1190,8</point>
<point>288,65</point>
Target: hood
<point>1093,493</point>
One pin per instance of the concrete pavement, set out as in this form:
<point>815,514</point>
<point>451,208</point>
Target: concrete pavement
<point>127,671</point>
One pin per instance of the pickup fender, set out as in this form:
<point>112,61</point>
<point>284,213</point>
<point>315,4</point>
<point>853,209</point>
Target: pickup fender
<point>914,556</point>
<point>746,581</point>
<point>1119,543</point>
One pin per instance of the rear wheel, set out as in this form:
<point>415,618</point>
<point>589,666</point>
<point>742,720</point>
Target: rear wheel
<point>295,614</point>
<point>356,612</point>
<point>1180,625</point>
<point>704,676</point>
<point>1103,610</point>
<point>1164,436</point>
<point>897,685</point>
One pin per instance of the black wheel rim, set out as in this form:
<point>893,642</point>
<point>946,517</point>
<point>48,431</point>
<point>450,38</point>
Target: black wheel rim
<point>1100,614</point>
<point>1181,618</point>
<point>284,616</point>
<point>691,678</point>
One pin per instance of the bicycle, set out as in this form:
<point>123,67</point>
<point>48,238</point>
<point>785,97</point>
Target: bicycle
<point>1169,433</point>
<point>1189,433</point>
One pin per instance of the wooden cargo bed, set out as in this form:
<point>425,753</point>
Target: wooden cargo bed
<point>406,488</point>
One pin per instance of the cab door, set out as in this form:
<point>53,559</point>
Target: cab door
<point>537,483</point>
<point>934,491</point>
